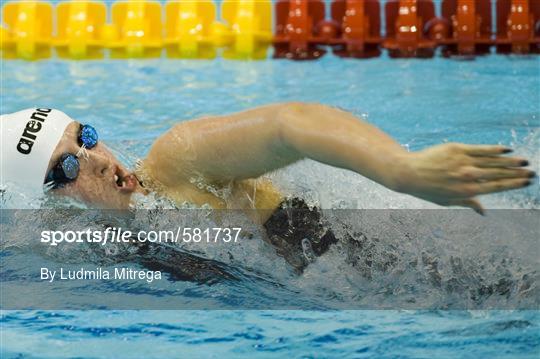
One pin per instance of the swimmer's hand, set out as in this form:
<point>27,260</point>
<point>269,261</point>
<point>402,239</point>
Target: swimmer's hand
<point>453,174</point>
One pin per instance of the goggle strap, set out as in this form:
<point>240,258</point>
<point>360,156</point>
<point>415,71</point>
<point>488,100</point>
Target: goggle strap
<point>58,173</point>
<point>49,186</point>
<point>82,152</point>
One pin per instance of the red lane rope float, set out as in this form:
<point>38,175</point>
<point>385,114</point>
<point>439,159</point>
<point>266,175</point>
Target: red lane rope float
<point>295,36</point>
<point>470,27</point>
<point>518,26</point>
<point>359,24</point>
<point>406,31</point>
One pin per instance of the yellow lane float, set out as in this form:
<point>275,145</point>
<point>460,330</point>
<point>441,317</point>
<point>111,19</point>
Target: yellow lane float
<point>251,24</point>
<point>79,29</point>
<point>188,29</point>
<point>28,30</point>
<point>136,29</point>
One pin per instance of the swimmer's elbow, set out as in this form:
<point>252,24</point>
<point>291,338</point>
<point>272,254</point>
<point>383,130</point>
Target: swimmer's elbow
<point>298,114</point>
<point>299,109</point>
<point>294,118</point>
<point>288,119</point>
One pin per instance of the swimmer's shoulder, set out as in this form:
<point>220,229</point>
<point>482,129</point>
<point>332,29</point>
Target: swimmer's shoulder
<point>178,190</point>
<point>259,196</point>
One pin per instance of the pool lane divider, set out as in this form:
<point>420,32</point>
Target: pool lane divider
<point>190,29</point>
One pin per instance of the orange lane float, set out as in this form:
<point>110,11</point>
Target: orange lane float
<point>411,28</point>
<point>518,26</point>
<point>470,27</point>
<point>359,24</point>
<point>295,31</point>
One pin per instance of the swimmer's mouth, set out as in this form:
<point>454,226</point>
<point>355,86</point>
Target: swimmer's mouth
<point>125,182</point>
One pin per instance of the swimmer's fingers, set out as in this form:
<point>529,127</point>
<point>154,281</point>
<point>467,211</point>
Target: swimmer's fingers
<point>498,161</point>
<point>476,174</point>
<point>470,203</point>
<point>472,189</point>
<point>484,150</point>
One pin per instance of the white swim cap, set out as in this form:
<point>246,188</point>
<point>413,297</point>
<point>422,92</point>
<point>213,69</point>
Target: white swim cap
<point>28,140</point>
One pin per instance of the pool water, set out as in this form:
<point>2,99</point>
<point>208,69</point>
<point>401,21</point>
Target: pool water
<point>493,99</point>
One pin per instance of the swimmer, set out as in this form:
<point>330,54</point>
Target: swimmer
<point>219,160</point>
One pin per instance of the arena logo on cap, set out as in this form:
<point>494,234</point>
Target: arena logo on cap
<point>32,127</point>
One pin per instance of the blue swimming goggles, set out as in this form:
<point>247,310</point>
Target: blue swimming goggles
<point>67,168</point>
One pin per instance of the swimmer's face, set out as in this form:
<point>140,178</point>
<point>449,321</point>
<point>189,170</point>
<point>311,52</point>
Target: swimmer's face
<point>102,181</point>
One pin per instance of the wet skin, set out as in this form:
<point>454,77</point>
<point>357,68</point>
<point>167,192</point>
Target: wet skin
<point>233,151</point>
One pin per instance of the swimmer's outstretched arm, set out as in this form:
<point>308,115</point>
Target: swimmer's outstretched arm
<point>251,143</point>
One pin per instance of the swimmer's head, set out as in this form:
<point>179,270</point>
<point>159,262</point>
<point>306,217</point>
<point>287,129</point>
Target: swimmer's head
<point>46,149</point>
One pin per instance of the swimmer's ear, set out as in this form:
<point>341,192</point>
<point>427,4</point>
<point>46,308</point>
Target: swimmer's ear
<point>471,203</point>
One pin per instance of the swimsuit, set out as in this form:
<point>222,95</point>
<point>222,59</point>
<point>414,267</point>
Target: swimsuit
<point>298,233</point>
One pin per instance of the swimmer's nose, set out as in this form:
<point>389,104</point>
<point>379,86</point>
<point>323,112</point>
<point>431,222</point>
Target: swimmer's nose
<point>102,165</point>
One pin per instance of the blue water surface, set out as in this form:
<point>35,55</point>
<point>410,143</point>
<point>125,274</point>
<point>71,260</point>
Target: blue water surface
<point>489,100</point>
